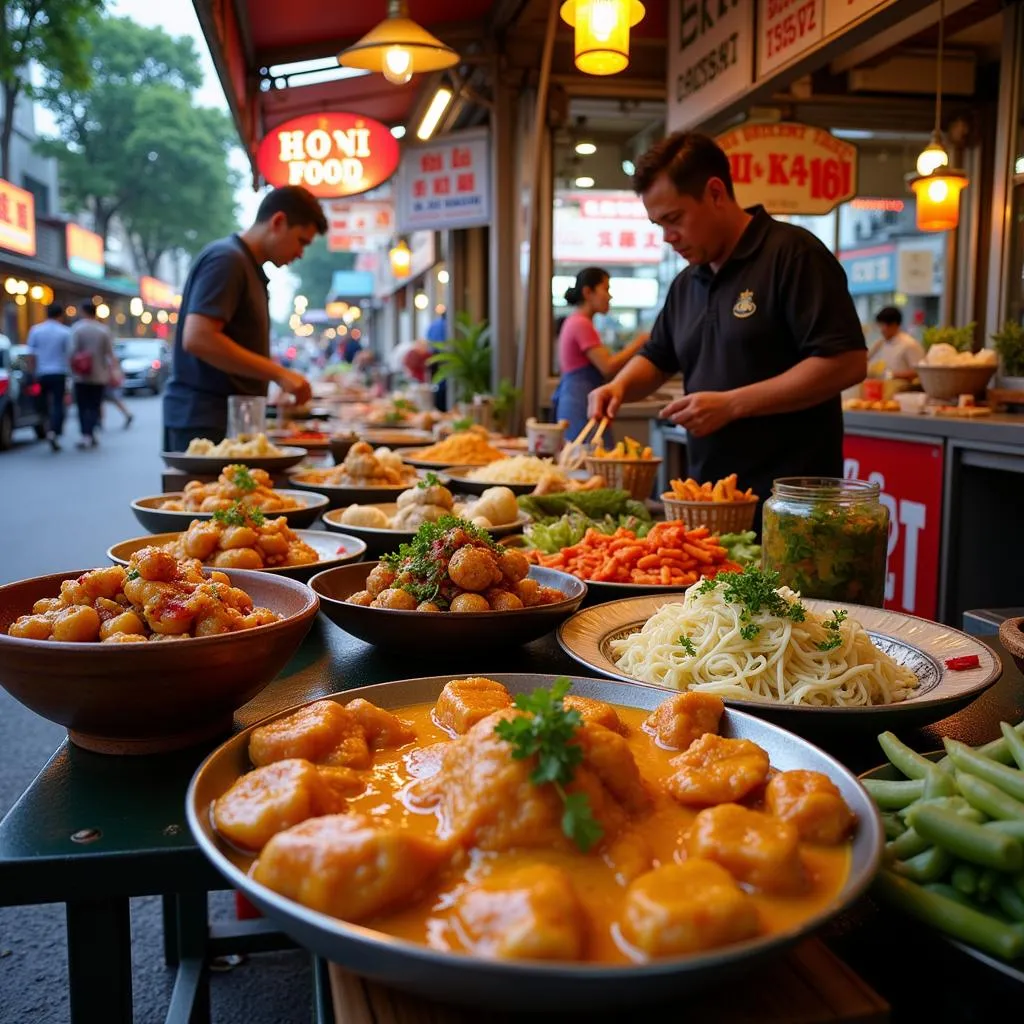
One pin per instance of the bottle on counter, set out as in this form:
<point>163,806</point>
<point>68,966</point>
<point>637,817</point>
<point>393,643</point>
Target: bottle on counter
<point>828,538</point>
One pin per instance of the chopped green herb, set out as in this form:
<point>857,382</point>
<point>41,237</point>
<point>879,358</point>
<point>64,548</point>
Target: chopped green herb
<point>756,591</point>
<point>430,480</point>
<point>688,645</point>
<point>834,641</point>
<point>548,734</point>
<point>750,631</point>
<point>462,424</point>
<point>239,515</point>
<point>132,574</point>
<point>243,480</point>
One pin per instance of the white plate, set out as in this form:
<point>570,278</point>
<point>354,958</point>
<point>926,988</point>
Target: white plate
<point>921,645</point>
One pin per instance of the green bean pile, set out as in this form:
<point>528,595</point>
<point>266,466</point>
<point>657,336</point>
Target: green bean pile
<point>954,858</point>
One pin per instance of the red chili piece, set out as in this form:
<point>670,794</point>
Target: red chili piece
<point>963,663</point>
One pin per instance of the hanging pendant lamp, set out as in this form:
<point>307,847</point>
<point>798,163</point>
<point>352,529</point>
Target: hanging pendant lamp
<point>398,48</point>
<point>602,33</point>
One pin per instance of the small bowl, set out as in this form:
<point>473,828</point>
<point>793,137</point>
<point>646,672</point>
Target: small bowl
<point>162,520</point>
<point>339,445</point>
<point>455,631</point>
<point>953,381</point>
<point>154,697</point>
<point>1011,636</point>
<point>911,403</point>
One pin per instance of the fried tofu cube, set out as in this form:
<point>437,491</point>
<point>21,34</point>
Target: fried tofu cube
<point>715,770</point>
<point>348,865</point>
<point>277,796</point>
<point>464,702</point>
<point>595,712</point>
<point>686,908</point>
<point>382,728</point>
<point>677,722</point>
<point>812,802</point>
<point>531,913</point>
<point>753,847</point>
<point>322,732</point>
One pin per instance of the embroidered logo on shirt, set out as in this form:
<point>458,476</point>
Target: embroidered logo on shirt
<point>744,306</point>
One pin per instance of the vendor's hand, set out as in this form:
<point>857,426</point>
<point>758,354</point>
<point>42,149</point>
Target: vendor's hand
<point>701,413</point>
<point>296,385</point>
<point>604,401</point>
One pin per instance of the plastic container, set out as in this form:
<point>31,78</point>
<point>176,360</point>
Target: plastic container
<point>828,538</point>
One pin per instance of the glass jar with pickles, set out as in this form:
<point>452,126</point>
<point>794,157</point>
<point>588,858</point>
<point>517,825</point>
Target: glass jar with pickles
<point>828,538</point>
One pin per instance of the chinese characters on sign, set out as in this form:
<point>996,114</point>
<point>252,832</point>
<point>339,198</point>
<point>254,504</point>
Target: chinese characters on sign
<point>790,168</point>
<point>785,29</point>
<point>329,154</point>
<point>604,228</point>
<point>446,184</point>
<point>17,219</point>
<point>710,57</point>
<point>85,251</point>
<point>359,227</point>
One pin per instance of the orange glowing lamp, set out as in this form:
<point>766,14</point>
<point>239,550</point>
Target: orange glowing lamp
<point>938,198</point>
<point>602,33</point>
<point>400,258</point>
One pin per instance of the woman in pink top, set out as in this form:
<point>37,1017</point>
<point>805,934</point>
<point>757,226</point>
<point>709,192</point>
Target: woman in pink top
<point>584,361</point>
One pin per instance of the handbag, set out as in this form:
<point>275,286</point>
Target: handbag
<point>81,363</point>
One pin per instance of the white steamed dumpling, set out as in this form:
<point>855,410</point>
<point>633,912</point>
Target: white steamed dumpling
<point>365,515</point>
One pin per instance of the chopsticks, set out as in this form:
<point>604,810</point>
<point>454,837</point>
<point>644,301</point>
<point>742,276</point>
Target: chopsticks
<point>571,456</point>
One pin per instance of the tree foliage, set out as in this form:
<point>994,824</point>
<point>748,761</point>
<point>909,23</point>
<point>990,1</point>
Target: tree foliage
<point>54,34</point>
<point>134,143</point>
<point>317,267</point>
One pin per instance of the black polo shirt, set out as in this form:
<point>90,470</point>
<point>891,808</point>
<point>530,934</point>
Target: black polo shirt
<point>225,283</point>
<point>779,298</point>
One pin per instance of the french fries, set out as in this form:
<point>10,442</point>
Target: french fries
<point>628,449</point>
<point>723,490</point>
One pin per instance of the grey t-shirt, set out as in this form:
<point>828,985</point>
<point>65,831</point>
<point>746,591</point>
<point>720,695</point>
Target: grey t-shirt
<point>88,335</point>
<point>225,283</point>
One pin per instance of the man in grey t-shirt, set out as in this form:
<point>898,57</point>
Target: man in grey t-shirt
<point>222,344</point>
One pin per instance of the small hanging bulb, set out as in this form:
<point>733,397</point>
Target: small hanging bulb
<point>397,65</point>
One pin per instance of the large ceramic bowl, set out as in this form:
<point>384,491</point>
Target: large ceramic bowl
<point>952,381</point>
<point>211,465</point>
<point>333,549</point>
<point>162,520</point>
<point>153,697</point>
<point>342,495</point>
<point>456,631</point>
<point>524,985</point>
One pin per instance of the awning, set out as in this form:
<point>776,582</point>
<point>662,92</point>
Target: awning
<point>88,285</point>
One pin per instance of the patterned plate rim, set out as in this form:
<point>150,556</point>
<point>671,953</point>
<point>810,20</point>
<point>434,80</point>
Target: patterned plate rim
<point>582,635</point>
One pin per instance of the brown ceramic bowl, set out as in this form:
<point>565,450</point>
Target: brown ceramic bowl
<point>1011,636</point>
<point>154,697</point>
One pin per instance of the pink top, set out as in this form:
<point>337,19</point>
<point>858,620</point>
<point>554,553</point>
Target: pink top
<point>577,337</point>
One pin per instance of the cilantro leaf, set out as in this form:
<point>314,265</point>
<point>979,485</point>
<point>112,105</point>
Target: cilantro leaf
<point>688,646</point>
<point>578,821</point>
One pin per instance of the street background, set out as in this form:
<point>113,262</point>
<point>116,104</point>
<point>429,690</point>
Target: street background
<point>61,511</point>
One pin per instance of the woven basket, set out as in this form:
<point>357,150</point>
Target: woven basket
<point>718,516</point>
<point>634,475</point>
<point>953,381</point>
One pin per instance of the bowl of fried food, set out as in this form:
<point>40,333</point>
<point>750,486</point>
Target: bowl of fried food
<point>629,466</point>
<point>451,585</point>
<point>722,507</point>
<point>148,657</point>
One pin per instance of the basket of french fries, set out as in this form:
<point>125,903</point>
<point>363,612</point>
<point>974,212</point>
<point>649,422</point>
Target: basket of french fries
<point>721,507</point>
<point>629,466</point>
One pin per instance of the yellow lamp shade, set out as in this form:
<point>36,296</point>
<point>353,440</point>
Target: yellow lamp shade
<point>400,258</point>
<point>398,48</point>
<point>938,199</point>
<point>602,33</point>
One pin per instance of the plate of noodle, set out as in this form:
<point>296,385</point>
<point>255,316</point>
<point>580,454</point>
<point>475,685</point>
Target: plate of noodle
<point>781,655</point>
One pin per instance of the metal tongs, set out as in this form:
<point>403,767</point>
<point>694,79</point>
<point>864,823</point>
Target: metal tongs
<point>572,455</point>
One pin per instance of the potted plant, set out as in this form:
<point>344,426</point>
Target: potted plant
<point>961,338</point>
<point>505,401</point>
<point>1008,342</point>
<point>464,360</point>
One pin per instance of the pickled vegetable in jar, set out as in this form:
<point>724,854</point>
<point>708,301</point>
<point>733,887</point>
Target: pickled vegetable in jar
<point>828,538</point>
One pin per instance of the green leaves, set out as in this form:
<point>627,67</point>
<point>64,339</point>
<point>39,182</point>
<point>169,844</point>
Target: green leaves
<point>688,646</point>
<point>430,480</point>
<point>239,515</point>
<point>832,625</point>
<point>756,591</point>
<point>465,358</point>
<point>546,732</point>
<point>243,480</point>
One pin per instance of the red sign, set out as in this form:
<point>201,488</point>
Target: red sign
<point>330,154</point>
<point>155,292</point>
<point>790,168</point>
<point>910,476</point>
<point>17,219</point>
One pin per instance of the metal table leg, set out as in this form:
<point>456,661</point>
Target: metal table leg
<point>190,1000</point>
<point>100,961</point>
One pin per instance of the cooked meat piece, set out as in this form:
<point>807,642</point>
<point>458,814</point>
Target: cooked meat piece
<point>463,702</point>
<point>812,802</point>
<point>714,770</point>
<point>322,732</point>
<point>678,721</point>
<point>382,728</point>
<point>596,712</point>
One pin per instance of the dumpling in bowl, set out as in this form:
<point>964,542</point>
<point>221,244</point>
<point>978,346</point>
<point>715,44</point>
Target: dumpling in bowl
<point>496,504</point>
<point>412,517</point>
<point>365,515</point>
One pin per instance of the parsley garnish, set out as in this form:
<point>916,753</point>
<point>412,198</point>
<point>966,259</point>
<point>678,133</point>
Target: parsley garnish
<point>239,515</point>
<point>132,574</point>
<point>688,645</point>
<point>546,732</point>
<point>832,625</point>
<point>403,405</point>
<point>756,591</point>
<point>243,480</point>
<point>430,480</point>
<point>463,424</point>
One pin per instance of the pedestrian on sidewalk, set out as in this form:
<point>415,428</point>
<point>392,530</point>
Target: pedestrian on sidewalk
<point>92,360</point>
<point>112,394</point>
<point>49,342</point>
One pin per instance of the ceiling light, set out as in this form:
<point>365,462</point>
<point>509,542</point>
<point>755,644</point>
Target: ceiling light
<point>398,130</point>
<point>628,168</point>
<point>400,258</point>
<point>398,48</point>
<point>601,41</point>
<point>443,277</point>
<point>586,148</point>
<point>584,182</point>
<point>333,74</point>
<point>933,156</point>
<point>421,301</point>
<point>438,105</point>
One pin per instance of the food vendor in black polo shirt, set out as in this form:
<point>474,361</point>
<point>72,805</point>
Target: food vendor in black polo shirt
<point>760,325</point>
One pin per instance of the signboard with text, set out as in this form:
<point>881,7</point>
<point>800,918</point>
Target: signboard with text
<point>710,58</point>
<point>157,293</point>
<point>785,29</point>
<point>790,168</point>
<point>332,154</point>
<point>446,184</point>
<point>870,271</point>
<point>359,226</point>
<point>604,227</point>
<point>910,477</point>
<point>840,13</point>
<point>17,219</point>
<point>85,251</point>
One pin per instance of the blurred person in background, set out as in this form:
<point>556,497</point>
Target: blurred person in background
<point>222,341</point>
<point>49,341</point>
<point>92,362</point>
<point>896,352</point>
<point>437,332</point>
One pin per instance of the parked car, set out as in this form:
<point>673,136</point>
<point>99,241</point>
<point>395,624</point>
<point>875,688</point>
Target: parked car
<point>145,363</point>
<point>19,392</point>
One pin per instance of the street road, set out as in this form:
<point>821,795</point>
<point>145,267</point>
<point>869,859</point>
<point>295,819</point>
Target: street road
<point>61,511</point>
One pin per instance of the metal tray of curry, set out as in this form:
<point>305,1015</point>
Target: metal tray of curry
<point>415,945</point>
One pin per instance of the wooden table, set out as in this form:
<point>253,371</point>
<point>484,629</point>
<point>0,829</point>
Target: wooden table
<point>93,831</point>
